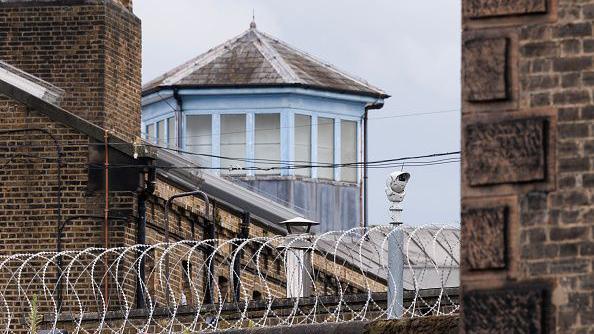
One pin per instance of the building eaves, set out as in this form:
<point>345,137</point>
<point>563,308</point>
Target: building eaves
<point>376,96</point>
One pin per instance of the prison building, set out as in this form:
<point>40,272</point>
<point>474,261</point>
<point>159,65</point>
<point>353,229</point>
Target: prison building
<point>266,105</point>
<point>75,173</point>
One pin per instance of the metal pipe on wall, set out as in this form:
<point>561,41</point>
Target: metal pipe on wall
<point>143,195</point>
<point>141,240</point>
<point>365,176</point>
<point>243,234</point>
<point>378,104</point>
<point>167,205</point>
<point>106,214</point>
<point>179,119</point>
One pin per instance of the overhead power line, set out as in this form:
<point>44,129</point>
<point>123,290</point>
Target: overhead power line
<point>299,163</point>
<point>387,163</point>
<point>288,162</point>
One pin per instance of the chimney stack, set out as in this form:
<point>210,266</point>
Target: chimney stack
<point>89,48</point>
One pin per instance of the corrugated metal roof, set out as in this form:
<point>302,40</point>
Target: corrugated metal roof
<point>233,195</point>
<point>257,59</point>
<point>431,254</point>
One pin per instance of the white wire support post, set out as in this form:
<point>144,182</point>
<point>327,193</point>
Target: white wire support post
<point>297,248</point>
<point>395,186</point>
<point>298,270</point>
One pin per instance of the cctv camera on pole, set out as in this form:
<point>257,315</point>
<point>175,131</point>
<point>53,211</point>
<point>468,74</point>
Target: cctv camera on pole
<point>395,186</point>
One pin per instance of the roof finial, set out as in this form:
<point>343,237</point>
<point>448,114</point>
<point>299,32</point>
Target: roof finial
<point>253,23</point>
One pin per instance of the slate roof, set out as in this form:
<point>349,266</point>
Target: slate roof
<point>255,59</point>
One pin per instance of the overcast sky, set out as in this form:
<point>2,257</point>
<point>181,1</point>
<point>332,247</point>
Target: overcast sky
<point>411,49</point>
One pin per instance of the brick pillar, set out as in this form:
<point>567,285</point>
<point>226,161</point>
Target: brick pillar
<point>528,166</point>
<point>89,48</point>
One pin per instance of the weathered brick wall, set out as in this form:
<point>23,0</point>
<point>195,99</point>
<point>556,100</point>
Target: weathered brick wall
<point>122,70</point>
<point>528,161</point>
<point>89,48</point>
<point>187,221</point>
<point>78,46</point>
<point>29,193</point>
<point>280,315</point>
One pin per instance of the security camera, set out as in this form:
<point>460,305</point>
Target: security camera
<point>395,186</point>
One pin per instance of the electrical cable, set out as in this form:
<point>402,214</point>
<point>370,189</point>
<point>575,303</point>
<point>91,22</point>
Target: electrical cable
<point>238,168</point>
<point>288,163</point>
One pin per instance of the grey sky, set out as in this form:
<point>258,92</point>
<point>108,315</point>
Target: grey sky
<point>411,49</point>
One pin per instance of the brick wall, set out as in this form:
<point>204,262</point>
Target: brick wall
<point>91,49</point>
<point>83,47</point>
<point>188,222</point>
<point>528,153</point>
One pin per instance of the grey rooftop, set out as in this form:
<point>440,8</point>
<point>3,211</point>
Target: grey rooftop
<point>255,59</point>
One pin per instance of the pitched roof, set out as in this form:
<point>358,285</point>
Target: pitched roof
<point>257,59</point>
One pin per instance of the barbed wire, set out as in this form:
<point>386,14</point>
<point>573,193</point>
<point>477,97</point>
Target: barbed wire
<point>220,284</point>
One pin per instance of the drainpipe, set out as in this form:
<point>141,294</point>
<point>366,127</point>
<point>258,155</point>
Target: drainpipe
<point>243,234</point>
<point>210,234</point>
<point>143,195</point>
<point>106,218</point>
<point>365,158</point>
<point>178,117</point>
<point>378,104</point>
<point>167,205</point>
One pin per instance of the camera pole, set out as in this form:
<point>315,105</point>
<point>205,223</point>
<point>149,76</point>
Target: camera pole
<point>395,186</point>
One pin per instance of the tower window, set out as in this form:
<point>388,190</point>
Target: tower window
<point>199,137</point>
<point>302,142</point>
<point>233,138</point>
<point>171,135</point>
<point>267,141</point>
<point>161,140</point>
<point>348,150</point>
<point>150,133</point>
<point>325,147</point>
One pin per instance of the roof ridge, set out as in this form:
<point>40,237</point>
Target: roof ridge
<point>179,72</point>
<point>326,64</point>
<point>275,59</point>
